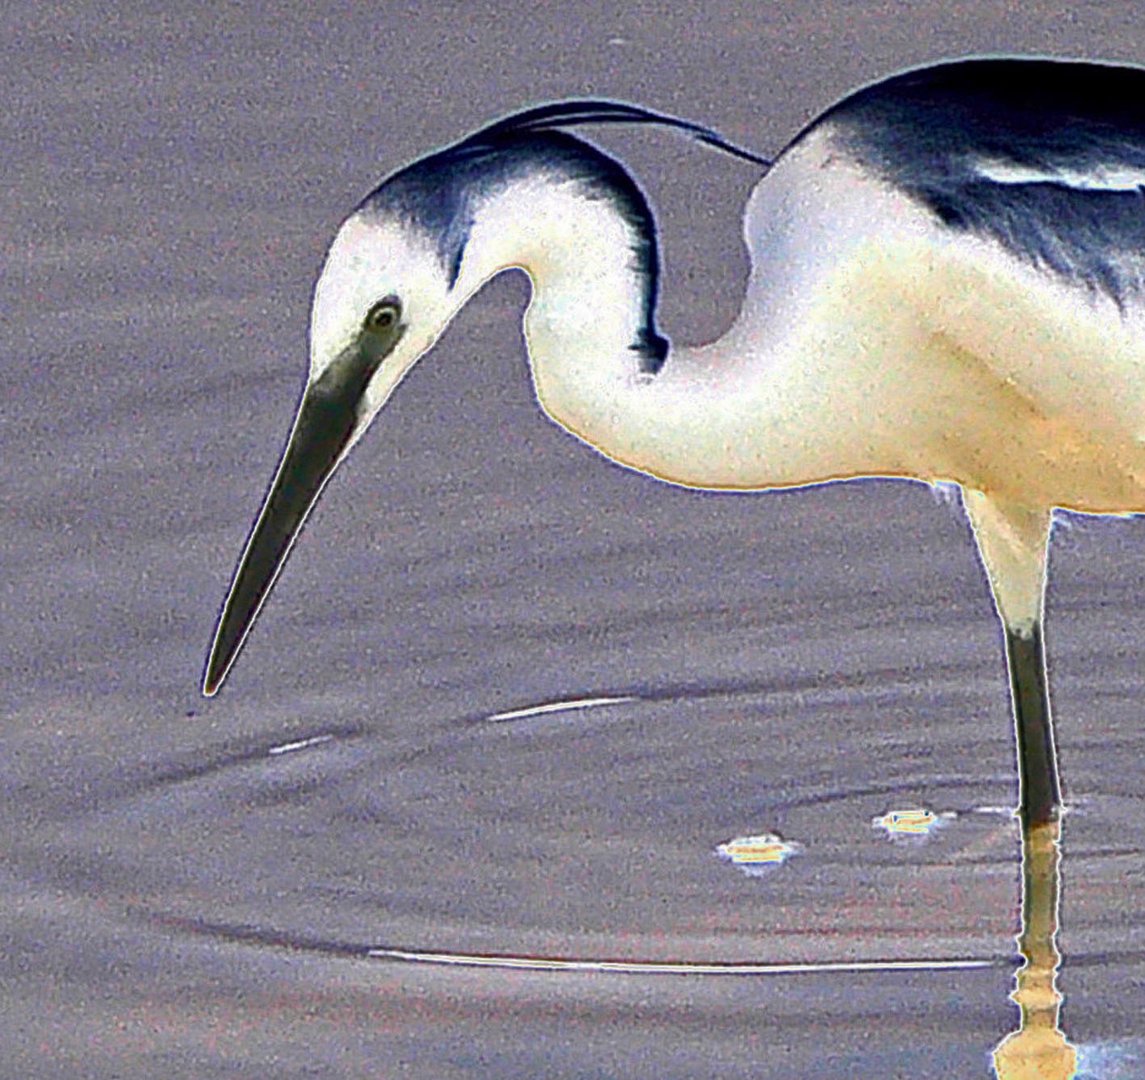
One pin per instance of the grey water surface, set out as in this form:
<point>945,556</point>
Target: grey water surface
<point>268,883</point>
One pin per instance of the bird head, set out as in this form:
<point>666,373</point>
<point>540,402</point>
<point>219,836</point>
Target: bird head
<point>397,271</point>
<point>395,275</point>
<point>380,302</point>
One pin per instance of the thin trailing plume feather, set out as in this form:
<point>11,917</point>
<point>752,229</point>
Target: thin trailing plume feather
<point>437,193</point>
<point>564,114</point>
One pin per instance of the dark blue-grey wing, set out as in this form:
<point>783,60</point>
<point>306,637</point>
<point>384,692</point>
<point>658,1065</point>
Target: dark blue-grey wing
<point>1047,158</point>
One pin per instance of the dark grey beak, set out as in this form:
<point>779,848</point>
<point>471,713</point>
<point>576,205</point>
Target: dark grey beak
<point>323,430</point>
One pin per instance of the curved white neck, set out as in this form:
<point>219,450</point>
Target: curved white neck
<point>732,414</point>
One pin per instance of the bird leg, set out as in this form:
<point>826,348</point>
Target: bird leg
<point>1039,793</point>
<point>1012,541</point>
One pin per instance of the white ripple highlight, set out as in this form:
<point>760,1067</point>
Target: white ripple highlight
<point>635,967</point>
<point>301,744</point>
<point>561,706</point>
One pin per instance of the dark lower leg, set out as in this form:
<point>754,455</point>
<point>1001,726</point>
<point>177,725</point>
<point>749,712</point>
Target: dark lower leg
<point>1039,794</point>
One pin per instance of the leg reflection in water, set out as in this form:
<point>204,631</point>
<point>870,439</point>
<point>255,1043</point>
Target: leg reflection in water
<point>1038,1050</point>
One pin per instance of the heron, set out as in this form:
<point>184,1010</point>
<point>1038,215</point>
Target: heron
<point>947,285</point>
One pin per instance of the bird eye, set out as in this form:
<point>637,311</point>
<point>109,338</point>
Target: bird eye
<point>383,315</point>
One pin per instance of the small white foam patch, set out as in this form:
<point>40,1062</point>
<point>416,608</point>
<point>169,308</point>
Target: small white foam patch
<point>560,706</point>
<point>633,967</point>
<point>913,823</point>
<point>757,855</point>
<point>947,493</point>
<point>301,744</point>
<point>1099,178</point>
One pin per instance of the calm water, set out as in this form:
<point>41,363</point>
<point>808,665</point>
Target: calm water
<point>222,888</point>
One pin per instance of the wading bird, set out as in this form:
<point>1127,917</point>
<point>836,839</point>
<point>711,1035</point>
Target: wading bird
<point>947,285</point>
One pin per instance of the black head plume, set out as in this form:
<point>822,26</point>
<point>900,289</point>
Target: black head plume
<point>564,114</point>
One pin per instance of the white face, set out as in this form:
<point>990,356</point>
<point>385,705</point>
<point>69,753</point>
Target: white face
<point>380,303</point>
<point>371,260</point>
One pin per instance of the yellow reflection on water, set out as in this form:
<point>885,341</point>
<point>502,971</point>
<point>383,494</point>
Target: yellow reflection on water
<point>1038,1050</point>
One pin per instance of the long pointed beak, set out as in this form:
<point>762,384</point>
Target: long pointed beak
<point>323,432</point>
